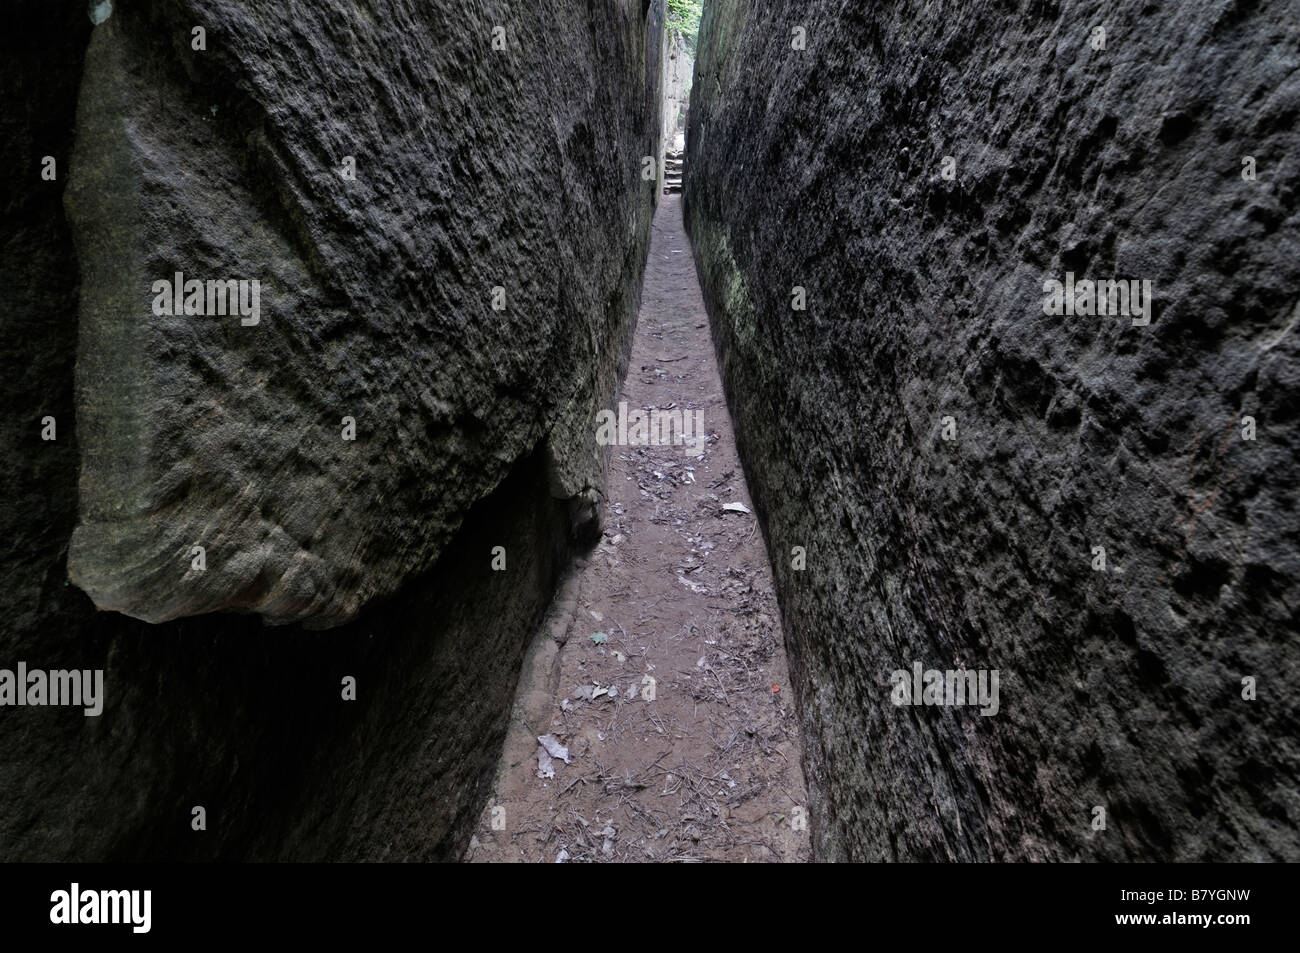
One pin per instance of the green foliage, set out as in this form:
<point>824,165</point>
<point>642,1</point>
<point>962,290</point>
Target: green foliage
<point>684,18</point>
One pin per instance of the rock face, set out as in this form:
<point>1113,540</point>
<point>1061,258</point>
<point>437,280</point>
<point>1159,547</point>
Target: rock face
<point>395,182</point>
<point>679,68</point>
<point>1121,688</point>
<point>475,169</point>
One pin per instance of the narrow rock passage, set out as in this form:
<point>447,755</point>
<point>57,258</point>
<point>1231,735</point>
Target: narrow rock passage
<point>677,716</point>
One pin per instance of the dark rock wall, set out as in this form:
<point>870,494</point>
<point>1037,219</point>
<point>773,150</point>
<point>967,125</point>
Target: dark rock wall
<point>1122,689</point>
<point>475,168</point>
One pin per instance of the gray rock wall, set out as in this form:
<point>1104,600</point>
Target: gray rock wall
<point>679,68</point>
<point>475,168</point>
<point>1121,689</point>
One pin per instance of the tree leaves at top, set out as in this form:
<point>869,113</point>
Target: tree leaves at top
<point>684,18</point>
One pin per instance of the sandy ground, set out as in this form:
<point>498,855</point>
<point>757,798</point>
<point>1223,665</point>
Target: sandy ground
<point>661,672</point>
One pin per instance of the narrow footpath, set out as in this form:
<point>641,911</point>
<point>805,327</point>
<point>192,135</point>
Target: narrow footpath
<point>659,685</point>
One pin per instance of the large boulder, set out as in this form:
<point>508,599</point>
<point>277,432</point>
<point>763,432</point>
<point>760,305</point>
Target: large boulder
<point>475,168</point>
<point>445,217</point>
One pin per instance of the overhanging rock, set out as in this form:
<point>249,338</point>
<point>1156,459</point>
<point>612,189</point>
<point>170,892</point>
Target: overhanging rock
<point>445,225</point>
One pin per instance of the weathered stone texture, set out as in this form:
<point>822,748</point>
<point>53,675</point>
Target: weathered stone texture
<point>822,168</point>
<point>679,68</point>
<point>476,168</point>
<point>474,427</point>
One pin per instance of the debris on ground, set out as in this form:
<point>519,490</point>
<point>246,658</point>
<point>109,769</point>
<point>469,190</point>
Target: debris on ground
<point>684,747</point>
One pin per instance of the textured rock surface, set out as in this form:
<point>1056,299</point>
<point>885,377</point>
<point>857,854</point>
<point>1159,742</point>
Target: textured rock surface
<point>679,67</point>
<point>822,168</point>
<point>219,711</point>
<point>476,168</point>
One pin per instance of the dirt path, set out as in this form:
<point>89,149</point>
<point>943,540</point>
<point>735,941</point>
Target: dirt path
<point>677,716</point>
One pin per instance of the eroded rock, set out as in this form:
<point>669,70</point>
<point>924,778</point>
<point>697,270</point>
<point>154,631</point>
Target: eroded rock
<point>258,725</point>
<point>817,156</point>
<point>445,219</point>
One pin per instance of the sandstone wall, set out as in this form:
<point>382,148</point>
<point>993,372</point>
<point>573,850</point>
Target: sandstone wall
<point>475,168</point>
<point>492,150</point>
<point>823,168</point>
<point>679,67</point>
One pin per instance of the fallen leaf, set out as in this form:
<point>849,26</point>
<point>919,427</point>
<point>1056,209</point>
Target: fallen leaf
<point>736,508</point>
<point>554,748</point>
<point>692,586</point>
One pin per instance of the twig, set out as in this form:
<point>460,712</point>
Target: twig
<point>720,685</point>
<point>572,783</point>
